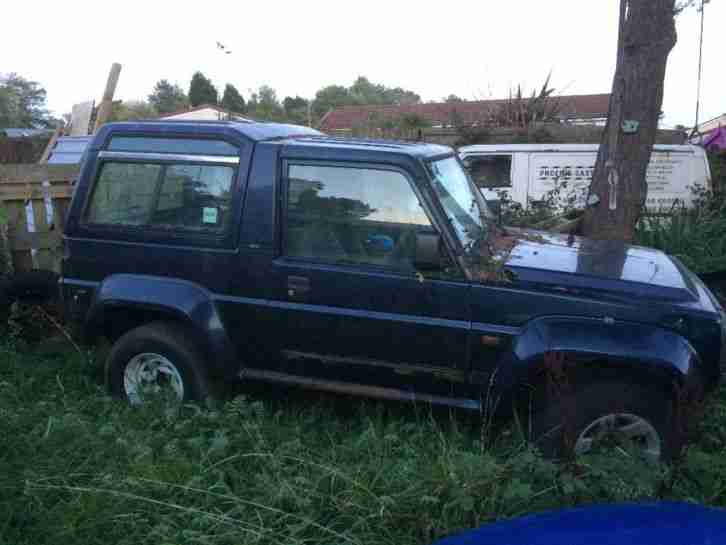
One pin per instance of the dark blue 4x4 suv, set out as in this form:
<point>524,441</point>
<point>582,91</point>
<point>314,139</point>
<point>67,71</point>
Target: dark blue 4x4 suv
<point>274,252</point>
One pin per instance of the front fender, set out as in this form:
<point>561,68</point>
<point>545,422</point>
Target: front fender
<point>180,299</point>
<point>647,349</point>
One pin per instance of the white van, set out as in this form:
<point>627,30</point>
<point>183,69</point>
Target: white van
<point>526,173</point>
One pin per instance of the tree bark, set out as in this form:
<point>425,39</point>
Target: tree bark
<point>646,36</point>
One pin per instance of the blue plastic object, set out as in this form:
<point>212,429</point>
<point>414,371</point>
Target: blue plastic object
<point>380,244</point>
<point>665,523</point>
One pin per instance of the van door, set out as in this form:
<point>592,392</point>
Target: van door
<point>563,178</point>
<point>671,178</point>
<point>559,179</point>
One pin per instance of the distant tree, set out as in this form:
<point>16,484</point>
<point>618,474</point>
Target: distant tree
<point>296,109</point>
<point>132,110</point>
<point>167,98</point>
<point>22,103</point>
<point>8,107</point>
<point>264,105</point>
<point>202,91</point>
<point>453,98</point>
<point>332,96</point>
<point>232,100</point>
<point>361,92</point>
<point>400,96</point>
<point>290,104</point>
<point>364,92</point>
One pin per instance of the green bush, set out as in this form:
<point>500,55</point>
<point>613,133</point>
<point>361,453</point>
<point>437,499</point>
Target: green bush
<point>717,161</point>
<point>697,235</point>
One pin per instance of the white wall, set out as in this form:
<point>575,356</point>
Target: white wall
<point>205,114</point>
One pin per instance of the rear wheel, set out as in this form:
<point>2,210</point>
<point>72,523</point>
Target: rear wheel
<point>622,418</point>
<point>157,362</point>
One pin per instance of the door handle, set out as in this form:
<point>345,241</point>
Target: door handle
<point>297,286</point>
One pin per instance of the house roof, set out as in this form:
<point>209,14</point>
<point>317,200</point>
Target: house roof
<point>214,107</point>
<point>442,113</point>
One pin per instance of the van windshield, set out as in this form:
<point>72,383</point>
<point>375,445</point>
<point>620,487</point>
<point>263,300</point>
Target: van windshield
<point>463,205</point>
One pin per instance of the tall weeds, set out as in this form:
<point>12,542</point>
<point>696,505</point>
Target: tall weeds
<point>277,468</point>
<point>696,235</point>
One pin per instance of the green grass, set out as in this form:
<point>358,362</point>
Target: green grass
<point>282,467</point>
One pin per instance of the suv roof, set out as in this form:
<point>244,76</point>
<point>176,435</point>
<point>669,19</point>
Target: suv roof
<point>419,149</point>
<point>291,135</point>
<point>253,131</point>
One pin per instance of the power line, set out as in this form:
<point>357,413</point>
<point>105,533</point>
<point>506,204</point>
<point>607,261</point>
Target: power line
<point>700,70</point>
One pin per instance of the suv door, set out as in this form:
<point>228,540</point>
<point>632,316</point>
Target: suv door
<point>354,307</point>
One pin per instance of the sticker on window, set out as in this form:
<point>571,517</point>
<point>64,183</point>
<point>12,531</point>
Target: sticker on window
<point>209,215</point>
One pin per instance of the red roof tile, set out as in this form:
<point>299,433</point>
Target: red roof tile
<point>441,113</point>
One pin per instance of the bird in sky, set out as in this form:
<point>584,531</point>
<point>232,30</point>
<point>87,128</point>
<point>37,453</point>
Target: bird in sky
<point>223,47</point>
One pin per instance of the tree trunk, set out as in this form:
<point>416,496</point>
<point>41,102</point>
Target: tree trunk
<point>646,36</point>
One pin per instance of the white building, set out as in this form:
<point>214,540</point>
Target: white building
<point>206,112</point>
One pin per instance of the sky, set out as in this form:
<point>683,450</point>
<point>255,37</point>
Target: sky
<point>476,50</point>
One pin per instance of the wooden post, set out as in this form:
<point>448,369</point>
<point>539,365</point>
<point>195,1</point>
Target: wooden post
<point>104,109</point>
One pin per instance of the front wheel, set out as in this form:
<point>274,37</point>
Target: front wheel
<point>156,362</point>
<point>620,417</point>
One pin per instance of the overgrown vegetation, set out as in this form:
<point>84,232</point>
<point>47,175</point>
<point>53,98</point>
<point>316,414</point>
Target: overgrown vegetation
<point>286,467</point>
<point>697,235</point>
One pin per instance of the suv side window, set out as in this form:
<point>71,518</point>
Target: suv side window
<point>195,146</point>
<point>166,196</point>
<point>123,194</point>
<point>352,215</point>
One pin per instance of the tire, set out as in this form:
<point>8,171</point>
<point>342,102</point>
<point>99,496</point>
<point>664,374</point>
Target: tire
<point>565,426</point>
<point>172,343</point>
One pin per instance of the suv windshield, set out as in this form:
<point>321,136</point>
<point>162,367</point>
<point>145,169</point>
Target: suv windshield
<point>464,208</point>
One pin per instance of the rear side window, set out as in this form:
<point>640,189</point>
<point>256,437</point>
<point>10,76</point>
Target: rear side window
<point>490,171</point>
<point>186,146</point>
<point>175,196</point>
<point>124,194</point>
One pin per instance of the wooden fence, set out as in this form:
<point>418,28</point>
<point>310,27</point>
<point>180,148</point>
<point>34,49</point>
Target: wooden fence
<point>34,201</point>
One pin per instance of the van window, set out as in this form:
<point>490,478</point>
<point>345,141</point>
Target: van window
<point>352,215</point>
<point>183,197</point>
<point>490,171</point>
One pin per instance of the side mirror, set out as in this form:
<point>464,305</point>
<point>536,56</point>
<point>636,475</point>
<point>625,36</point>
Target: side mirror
<point>428,251</point>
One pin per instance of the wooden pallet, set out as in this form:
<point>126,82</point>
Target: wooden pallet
<point>34,200</point>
